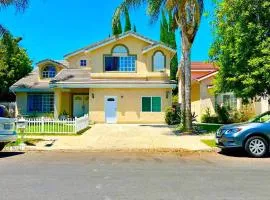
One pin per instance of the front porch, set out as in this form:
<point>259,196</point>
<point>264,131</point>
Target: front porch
<point>71,102</point>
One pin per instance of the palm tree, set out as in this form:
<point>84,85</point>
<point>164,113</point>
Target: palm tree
<point>187,17</point>
<point>19,4</point>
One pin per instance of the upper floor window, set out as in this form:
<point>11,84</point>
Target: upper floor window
<point>158,61</point>
<point>49,72</point>
<point>120,60</point>
<point>83,63</point>
<point>120,50</point>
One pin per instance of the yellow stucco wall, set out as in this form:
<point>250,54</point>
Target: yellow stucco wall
<point>95,60</point>
<point>21,100</point>
<point>128,105</point>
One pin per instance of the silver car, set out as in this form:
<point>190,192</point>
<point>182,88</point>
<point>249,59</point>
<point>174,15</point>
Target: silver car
<point>252,136</point>
<point>7,128</point>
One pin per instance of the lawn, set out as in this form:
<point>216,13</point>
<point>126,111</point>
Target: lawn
<point>48,128</point>
<point>210,128</point>
<point>59,129</point>
<point>210,143</point>
<point>27,141</point>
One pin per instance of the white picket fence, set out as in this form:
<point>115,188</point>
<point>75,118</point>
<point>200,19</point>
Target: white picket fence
<point>49,125</point>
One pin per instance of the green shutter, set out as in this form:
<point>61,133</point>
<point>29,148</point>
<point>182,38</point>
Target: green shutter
<point>146,104</point>
<point>156,104</point>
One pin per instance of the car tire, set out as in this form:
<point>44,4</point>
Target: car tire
<point>2,146</point>
<point>256,147</point>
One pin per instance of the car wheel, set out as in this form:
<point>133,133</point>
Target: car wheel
<point>256,146</point>
<point>2,145</point>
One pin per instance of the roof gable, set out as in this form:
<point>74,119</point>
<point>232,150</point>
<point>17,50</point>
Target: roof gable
<point>112,39</point>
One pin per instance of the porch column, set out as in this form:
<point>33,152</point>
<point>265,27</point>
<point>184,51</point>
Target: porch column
<point>57,102</point>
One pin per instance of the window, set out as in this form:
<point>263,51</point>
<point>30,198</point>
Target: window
<point>151,104</point>
<point>120,61</point>
<point>43,103</point>
<point>49,72</point>
<point>158,61</point>
<point>121,64</point>
<point>229,100</point>
<point>120,50</point>
<point>83,63</point>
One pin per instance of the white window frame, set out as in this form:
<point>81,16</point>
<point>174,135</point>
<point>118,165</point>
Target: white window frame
<point>164,62</point>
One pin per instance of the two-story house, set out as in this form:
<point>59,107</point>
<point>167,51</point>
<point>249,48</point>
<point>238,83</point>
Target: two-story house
<point>122,79</point>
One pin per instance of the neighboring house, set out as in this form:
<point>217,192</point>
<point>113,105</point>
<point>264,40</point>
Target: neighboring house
<point>203,97</point>
<point>122,79</point>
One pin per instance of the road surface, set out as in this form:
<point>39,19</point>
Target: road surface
<point>109,176</point>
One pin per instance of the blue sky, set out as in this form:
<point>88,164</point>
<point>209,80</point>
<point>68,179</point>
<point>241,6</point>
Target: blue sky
<point>53,28</point>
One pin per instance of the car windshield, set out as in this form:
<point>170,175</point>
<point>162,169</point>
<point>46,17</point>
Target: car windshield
<point>4,112</point>
<point>263,118</point>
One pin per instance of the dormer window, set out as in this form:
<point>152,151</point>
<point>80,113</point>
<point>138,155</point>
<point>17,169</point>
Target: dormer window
<point>83,63</point>
<point>49,72</point>
<point>159,61</point>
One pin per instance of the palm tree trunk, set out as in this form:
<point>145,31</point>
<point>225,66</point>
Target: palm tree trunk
<point>182,90</point>
<point>186,46</point>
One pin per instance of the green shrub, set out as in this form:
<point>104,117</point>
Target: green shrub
<point>208,118</point>
<point>173,115</point>
<point>175,100</point>
<point>223,114</point>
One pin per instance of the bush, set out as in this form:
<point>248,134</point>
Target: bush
<point>243,115</point>
<point>223,115</point>
<point>173,115</point>
<point>208,118</point>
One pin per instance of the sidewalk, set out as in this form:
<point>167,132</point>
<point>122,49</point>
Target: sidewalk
<point>124,137</point>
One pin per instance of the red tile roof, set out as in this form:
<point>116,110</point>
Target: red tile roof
<point>203,66</point>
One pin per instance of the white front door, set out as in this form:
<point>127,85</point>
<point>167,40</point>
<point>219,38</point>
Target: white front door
<point>110,110</point>
<point>80,105</point>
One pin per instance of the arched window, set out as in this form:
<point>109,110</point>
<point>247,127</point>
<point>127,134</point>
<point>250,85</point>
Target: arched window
<point>49,72</point>
<point>158,61</point>
<point>120,60</point>
<point>120,50</point>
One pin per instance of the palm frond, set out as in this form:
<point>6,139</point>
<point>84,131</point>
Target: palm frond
<point>3,30</point>
<point>19,4</point>
<point>154,9</point>
<point>127,4</point>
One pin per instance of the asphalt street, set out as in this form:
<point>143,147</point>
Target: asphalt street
<point>117,176</point>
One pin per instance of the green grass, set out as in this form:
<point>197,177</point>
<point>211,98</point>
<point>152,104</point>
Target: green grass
<point>210,128</point>
<point>210,143</point>
<point>49,130</point>
<point>27,141</point>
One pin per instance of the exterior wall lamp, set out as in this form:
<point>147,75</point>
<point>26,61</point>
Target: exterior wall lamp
<point>93,95</point>
<point>167,94</point>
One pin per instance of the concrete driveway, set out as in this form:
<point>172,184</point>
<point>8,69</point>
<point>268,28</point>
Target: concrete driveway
<point>125,137</point>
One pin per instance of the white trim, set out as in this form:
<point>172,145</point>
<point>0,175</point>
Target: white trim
<point>159,45</point>
<point>151,104</point>
<point>85,85</point>
<point>206,77</point>
<point>87,49</point>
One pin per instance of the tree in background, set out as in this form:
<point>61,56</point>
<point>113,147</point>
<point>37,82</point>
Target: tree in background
<point>134,28</point>
<point>117,28</point>
<point>187,17</point>
<point>19,4</point>
<point>127,20</point>
<point>242,48</point>
<point>14,64</point>
<point>167,35</point>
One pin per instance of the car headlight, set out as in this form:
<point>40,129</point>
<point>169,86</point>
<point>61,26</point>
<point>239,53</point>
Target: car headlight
<point>233,131</point>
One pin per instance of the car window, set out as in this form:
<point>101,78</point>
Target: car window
<point>263,118</point>
<point>4,112</point>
